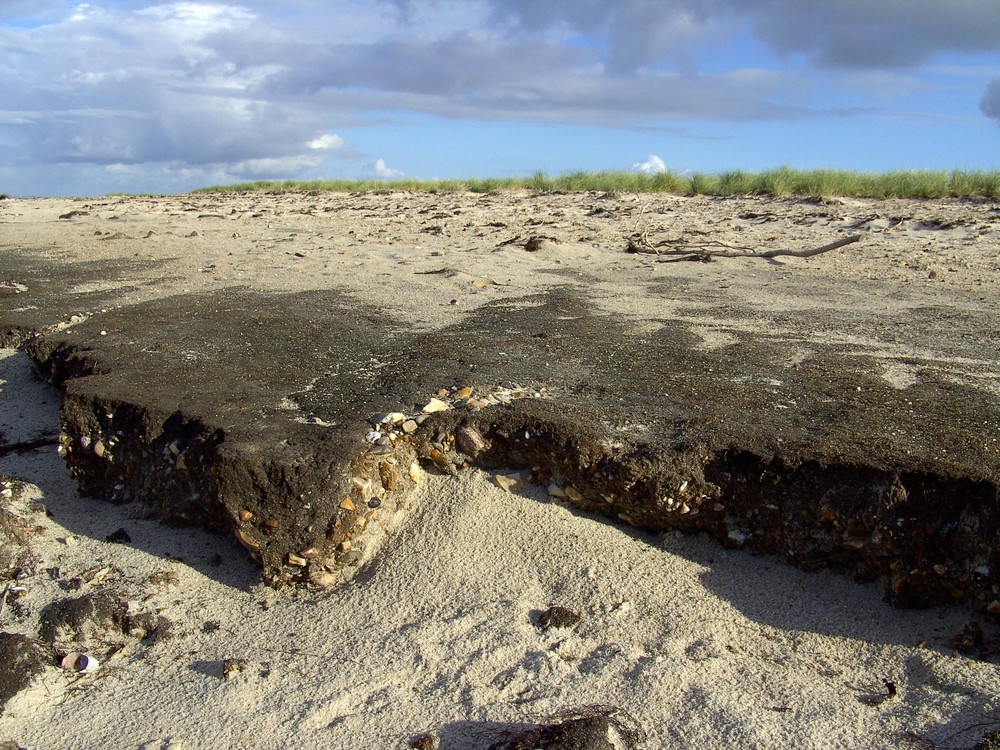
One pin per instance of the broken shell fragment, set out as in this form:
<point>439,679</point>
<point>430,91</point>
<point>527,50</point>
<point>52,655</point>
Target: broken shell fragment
<point>392,417</point>
<point>309,553</point>
<point>463,392</point>
<point>245,515</point>
<point>555,490</point>
<point>271,523</point>
<point>297,560</point>
<point>247,541</point>
<point>347,504</point>
<point>362,484</point>
<point>77,662</point>
<point>573,494</point>
<point>508,483</point>
<point>415,472</point>
<point>99,449</point>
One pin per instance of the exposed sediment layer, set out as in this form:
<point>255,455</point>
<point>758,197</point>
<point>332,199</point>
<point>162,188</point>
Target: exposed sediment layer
<point>847,419</point>
<point>843,481</point>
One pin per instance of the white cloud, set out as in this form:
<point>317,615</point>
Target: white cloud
<point>328,142</point>
<point>275,168</point>
<point>384,172</point>
<point>653,165</point>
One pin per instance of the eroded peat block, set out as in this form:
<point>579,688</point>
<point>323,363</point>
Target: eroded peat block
<point>845,423</point>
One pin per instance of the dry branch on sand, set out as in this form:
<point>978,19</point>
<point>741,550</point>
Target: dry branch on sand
<point>679,249</point>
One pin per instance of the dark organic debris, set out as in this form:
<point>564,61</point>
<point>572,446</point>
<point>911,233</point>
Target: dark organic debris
<point>916,742</point>
<point>21,660</point>
<point>585,728</point>
<point>119,536</point>
<point>536,242</point>
<point>16,558</point>
<point>81,623</point>
<point>426,741</point>
<point>990,741</point>
<point>877,699</point>
<point>232,667</point>
<point>558,617</point>
<point>973,641</point>
<point>98,624</point>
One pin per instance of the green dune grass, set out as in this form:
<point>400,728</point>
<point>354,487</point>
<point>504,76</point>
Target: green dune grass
<point>775,182</point>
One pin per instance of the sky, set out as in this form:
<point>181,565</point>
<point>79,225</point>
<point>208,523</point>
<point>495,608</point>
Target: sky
<point>163,97</point>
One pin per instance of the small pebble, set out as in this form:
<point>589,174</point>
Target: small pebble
<point>435,405</point>
<point>324,580</point>
<point>470,441</point>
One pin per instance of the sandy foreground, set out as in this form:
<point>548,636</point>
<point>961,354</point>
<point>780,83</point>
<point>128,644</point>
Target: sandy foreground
<point>699,646</point>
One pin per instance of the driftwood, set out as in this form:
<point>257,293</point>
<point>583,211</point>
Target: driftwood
<point>679,250</point>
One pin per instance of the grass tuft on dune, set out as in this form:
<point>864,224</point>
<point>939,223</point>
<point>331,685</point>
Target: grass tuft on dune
<point>784,181</point>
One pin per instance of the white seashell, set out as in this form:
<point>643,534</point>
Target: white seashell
<point>77,662</point>
<point>509,484</point>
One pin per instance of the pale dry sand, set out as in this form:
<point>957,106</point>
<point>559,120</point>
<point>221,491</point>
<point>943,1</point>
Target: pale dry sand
<point>705,648</point>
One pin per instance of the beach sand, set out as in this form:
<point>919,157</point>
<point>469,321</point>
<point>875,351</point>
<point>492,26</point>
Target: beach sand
<point>699,646</point>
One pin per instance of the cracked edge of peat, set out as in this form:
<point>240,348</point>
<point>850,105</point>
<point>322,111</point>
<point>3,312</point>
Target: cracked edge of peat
<point>929,539</point>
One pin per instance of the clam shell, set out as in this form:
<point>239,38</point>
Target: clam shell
<point>81,663</point>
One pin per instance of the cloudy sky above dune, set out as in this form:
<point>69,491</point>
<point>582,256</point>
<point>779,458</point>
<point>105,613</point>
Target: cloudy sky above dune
<point>148,96</point>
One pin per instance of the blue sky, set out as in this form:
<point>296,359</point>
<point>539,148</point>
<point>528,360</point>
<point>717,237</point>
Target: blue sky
<point>151,96</point>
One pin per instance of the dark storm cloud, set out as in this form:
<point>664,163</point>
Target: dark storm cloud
<point>877,34</point>
<point>835,33</point>
<point>990,104</point>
